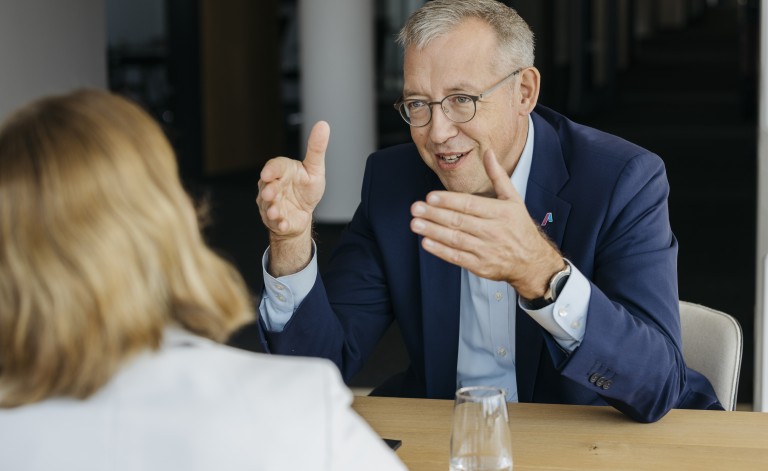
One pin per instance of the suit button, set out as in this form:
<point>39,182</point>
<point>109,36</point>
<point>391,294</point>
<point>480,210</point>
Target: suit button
<point>594,377</point>
<point>607,384</point>
<point>600,381</point>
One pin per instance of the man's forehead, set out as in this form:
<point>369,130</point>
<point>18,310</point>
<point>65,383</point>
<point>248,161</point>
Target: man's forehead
<point>467,75</point>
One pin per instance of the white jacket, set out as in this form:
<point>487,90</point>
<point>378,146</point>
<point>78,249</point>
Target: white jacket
<point>197,405</point>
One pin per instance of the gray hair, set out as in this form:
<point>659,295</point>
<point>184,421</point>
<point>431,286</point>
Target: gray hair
<point>438,17</point>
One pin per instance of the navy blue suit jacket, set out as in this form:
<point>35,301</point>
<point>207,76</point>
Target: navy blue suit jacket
<point>608,199</point>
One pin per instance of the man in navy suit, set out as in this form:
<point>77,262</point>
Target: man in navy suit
<point>514,247</point>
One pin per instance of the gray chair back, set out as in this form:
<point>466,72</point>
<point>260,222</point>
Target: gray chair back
<point>712,345</point>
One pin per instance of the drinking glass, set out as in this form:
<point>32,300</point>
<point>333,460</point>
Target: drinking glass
<point>480,440</point>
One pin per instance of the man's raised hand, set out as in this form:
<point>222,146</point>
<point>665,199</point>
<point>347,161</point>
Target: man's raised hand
<point>289,190</point>
<point>494,238</point>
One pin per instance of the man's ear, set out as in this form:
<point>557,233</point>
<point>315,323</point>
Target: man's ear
<point>530,81</point>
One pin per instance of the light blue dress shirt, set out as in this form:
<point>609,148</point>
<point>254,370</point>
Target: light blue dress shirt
<point>487,311</point>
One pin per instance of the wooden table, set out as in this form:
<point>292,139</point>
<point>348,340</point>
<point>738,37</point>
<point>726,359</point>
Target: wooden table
<point>558,437</point>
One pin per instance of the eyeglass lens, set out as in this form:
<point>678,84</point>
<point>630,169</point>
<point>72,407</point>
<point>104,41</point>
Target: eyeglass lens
<point>458,108</point>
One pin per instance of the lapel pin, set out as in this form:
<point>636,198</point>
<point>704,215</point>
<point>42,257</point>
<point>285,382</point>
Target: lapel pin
<point>547,218</point>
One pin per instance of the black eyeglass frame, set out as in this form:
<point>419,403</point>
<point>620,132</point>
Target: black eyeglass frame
<point>399,104</point>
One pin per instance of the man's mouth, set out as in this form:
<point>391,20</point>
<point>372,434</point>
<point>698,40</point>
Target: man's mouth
<point>451,159</point>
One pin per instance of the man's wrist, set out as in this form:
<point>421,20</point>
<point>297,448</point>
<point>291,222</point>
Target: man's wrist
<point>553,288</point>
<point>289,255</point>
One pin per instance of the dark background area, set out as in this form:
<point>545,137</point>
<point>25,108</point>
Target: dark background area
<point>686,92</point>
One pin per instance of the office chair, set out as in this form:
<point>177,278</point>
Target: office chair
<point>712,345</point>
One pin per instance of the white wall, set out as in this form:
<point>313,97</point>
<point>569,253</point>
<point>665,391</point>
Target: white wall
<point>761,311</point>
<point>337,85</point>
<point>50,46</point>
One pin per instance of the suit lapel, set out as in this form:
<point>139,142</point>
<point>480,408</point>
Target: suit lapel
<point>441,285</point>
<point>548,176</point>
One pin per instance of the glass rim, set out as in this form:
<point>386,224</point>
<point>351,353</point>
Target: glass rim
<point>487,391</point>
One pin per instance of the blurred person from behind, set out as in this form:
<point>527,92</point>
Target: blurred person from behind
<point>112,307</point>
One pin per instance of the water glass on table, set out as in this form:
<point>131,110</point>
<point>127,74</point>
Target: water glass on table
<point>480,440</point>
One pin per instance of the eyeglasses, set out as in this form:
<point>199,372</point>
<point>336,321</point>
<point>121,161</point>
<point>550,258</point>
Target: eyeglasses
<point>458,107</point>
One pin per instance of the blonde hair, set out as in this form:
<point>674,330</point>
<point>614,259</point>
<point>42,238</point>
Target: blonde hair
<point>99,248</point>
<point>437,17</point>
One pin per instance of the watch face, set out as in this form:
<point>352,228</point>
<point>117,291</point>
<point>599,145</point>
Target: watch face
<point>560,284</point>
<point>556,285</point>
<point>559,280</point>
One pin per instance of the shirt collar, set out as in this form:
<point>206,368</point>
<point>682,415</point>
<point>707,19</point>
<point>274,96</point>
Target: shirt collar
<point>522,170</point>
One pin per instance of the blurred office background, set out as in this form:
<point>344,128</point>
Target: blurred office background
<point>235,82</point>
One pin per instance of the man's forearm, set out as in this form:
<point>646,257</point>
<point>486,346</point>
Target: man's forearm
<point>289,255</point>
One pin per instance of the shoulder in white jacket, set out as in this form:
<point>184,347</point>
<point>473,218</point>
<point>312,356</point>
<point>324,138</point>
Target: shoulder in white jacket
<point>197,405</point>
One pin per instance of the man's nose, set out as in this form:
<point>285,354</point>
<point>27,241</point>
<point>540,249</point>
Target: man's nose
<point>441,128</point>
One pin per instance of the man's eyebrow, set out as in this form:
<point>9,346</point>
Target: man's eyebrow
<point>410,93</point>
<point>463,87</point>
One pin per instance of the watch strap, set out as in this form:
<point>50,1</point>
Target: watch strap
<point>556,285</point>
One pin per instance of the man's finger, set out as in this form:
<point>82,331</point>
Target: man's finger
<point>276,168</point>
<point>317,144</point>
<point>499,178</point>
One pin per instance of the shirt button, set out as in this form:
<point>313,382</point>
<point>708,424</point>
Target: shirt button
<point>279,287</point>
<point>498,296</point>
<point>280,297</point>
<point>562,312</point>
<point>501,351</point>
<point>575,324</point>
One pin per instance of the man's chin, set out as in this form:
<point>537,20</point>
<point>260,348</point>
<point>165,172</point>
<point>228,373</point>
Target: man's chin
<point>484,190</point>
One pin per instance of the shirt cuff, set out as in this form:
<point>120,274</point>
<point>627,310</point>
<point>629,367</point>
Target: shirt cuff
<point>284,294</point>
<point>566,318</point>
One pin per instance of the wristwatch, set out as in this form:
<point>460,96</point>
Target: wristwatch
<point>556,284</point>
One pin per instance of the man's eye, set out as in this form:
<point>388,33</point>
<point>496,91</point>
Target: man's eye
<point>415,105</point>
<point>461,99</point>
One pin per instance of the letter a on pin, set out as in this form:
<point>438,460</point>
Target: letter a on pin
<point>547,218</point>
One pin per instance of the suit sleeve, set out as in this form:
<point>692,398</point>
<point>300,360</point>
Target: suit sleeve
<point>631,354</point>
<point>348,309</point>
